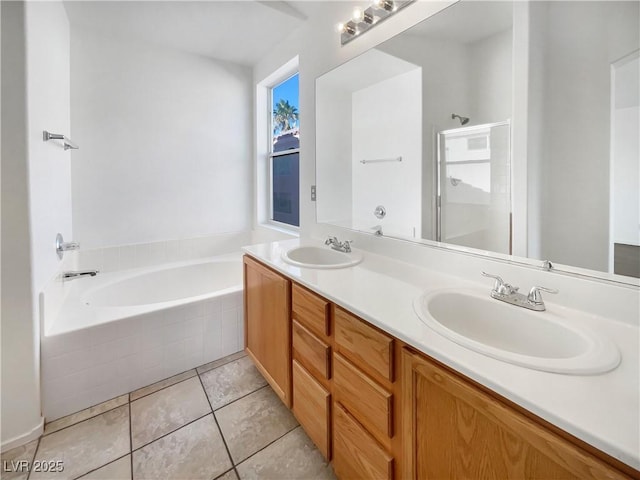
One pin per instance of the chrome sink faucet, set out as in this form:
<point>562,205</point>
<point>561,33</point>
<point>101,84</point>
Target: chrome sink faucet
<point>338,245</point>
<point>508,293</point>
<point>74,275</point>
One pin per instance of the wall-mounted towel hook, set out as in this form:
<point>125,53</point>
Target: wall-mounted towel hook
<point>68,144</point>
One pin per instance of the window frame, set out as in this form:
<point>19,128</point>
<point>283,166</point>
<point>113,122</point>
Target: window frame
<point>271,154</point>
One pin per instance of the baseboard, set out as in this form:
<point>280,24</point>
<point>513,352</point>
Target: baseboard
<point>26,438</point>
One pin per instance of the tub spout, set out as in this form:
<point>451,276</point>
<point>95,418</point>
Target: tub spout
<point>73,275</point>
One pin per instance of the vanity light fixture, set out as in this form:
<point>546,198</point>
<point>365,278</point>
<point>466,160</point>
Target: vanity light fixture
<point>363,19</point>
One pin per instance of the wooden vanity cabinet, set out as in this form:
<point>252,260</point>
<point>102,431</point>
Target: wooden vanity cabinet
<point>267,325</point>
<point>453,429</point>
<point>377,409</point>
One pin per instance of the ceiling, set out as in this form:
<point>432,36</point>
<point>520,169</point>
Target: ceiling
<point>235,31</point>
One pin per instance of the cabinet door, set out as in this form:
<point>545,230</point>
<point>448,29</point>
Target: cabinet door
<point>267,325</point>
<point>452,429</point>
<point>356,453</point>
<point>311,406</point>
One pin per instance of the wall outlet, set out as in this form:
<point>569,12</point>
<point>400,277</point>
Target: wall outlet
<point>313,193</point>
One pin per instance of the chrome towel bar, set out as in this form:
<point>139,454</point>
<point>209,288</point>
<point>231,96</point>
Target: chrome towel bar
<point>380,160</point>
<point>68,144</point>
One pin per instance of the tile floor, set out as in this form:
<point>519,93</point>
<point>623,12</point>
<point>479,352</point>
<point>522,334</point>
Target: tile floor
<point>219,421</point>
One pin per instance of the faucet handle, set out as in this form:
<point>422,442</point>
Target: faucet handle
<point>347,245</point>
<point>499,283</point>
<point>535,296</point>
<point>330,240</point>
<point>500,286</point>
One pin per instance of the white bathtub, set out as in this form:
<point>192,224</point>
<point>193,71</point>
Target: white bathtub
<point>166,286</point>
<point>119,331</point>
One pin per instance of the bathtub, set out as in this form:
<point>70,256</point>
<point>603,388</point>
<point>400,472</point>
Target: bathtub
<point>120,331</point>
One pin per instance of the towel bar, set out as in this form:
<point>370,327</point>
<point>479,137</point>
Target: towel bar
<point>380,160</point>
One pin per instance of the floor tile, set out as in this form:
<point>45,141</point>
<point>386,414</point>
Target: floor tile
<point>231,381</point>
<point>84,414</point>
<point>253,422</point>
<point>292,457</point>
<point>141,392</point>
<point>13,467</point>
<point>118,470</point>
<point>87,445</point>
<point>166,410</point>
<point>222,361</point>
<point>230,475</point>
<point>194,452</point>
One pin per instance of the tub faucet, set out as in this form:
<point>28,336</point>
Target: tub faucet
<point>73,275</point>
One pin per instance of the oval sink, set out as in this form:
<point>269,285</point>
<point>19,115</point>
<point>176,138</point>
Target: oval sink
<point>539,340</point>
<point>318,257</point>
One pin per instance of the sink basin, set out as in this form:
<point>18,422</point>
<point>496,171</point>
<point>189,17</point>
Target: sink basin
<point>318,257</point>
<point>538,340</point>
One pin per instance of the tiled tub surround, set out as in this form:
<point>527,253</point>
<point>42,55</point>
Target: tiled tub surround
<point>602,410</point>
<point>92,353</point>
<point>219,421</point>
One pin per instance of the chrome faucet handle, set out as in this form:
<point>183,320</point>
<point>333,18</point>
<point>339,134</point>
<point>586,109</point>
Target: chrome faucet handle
<point>331,240</point>
<point>535,296</point>
<point>499,283</point>
<point>347,245</point>
<point>500,286</point>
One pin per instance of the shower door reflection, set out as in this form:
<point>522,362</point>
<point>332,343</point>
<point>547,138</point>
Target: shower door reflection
<point>474,187</point>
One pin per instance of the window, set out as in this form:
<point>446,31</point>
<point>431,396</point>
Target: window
<point>284,154</point>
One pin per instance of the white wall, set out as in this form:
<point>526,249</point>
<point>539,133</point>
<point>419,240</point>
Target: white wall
<point>21,420</point>
<point>165,141</point>
<point>583,39</point>
<point>625,154</point>
<point>490,78</point>
<point>626,177</point>
<point>387,123</point>
<point>334,179</point>
<point>48,89</point>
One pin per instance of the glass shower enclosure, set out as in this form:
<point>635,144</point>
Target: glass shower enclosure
<point>474,187</point>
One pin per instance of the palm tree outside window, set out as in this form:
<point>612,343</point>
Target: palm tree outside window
<point>285,153</point>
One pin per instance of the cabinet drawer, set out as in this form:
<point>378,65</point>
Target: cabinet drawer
<point>310,310</point>
<point>356,453</point>
<point>368,348</point>
<point>311,406</point>
<point>311,352</point>
<point>371,404</point>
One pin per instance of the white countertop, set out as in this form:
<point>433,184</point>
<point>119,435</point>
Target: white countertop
<point>602,410</point>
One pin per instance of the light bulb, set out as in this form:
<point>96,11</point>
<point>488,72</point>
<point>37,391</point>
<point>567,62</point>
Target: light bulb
<point>358,15</point>
<point>340,28</point>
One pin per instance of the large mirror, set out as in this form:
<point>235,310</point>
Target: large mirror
<point>506,128</point>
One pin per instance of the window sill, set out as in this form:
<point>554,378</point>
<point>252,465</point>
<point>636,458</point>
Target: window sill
<point>282,228</point>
